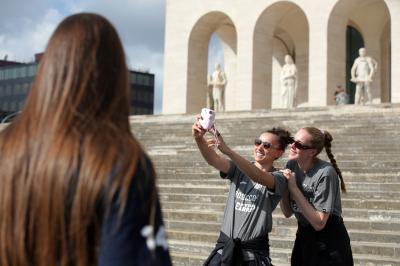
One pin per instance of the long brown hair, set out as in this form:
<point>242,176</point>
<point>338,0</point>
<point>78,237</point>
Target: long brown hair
<point>58,156</point>
<point>323,139</point>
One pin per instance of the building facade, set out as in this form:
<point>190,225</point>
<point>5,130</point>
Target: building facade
<point>323,37</point>
<point>141,93</point>
<point>16,80</point>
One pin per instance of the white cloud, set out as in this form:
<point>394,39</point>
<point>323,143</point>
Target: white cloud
<point>30,38</point>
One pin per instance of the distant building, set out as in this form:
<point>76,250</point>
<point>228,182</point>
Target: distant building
<point>16,80</point>
<point>141,92</point>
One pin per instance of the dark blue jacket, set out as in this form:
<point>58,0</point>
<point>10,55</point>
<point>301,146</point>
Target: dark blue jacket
<point>123,241</point>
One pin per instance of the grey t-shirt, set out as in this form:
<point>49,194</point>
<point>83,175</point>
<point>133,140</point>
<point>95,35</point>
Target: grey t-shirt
<point>320,186</point>
<point>248,211</point>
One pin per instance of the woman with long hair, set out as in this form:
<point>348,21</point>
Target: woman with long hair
<point>314,198</point>
<point>76,187</point>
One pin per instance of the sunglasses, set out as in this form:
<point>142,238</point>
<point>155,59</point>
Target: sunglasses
<point>266,144</point>
<point>300,146</point>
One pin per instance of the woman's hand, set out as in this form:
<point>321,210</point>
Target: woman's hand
<point>291,178</point>
<point>220,143</point>
<point>197,130</point>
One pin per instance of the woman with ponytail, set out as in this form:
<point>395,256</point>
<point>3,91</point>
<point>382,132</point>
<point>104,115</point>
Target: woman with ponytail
<point>76,187</point>
<point>314,197</point>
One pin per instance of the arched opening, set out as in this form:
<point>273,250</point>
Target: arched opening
<point>222,26</point>
<point>283,44</point>
<point>371,20</point>
<point>354,41</point>
<point>281,29</point>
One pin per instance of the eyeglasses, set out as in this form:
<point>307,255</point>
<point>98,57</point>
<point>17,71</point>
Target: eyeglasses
<point>300,146</point>
<point>266,144</point>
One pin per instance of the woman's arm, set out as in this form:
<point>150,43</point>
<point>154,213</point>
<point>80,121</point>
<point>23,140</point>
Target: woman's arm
<point>285,205</point>
<point>316,218</point>
<point>207,151</point>
<point>249,169</point>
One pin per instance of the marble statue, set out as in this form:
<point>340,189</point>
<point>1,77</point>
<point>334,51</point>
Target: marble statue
<point>289,82</point>
<point>362,71</point>
<point>218,82</point>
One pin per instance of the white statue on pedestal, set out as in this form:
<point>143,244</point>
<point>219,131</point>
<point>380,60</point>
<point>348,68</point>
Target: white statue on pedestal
<point>218,82</point>
<point>289,83</point>
<point>362,71</point>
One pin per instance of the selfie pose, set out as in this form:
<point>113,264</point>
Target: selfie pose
<point>247,218</point>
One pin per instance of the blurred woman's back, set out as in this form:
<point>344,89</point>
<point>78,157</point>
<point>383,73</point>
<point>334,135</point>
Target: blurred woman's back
<point>72,174</point>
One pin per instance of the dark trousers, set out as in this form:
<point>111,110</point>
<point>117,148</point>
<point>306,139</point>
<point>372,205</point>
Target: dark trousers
<point>330,246</point>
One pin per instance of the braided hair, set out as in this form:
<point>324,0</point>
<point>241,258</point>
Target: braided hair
<point>323,139</point>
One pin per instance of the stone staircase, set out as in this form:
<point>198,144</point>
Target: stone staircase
<point>366,145</point>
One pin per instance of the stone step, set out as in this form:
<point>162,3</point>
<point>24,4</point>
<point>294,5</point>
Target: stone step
<point>245,143</point>
<point>341,128</point>
<point>342,154</point>
<point>352,181</point>
<point>369,214</point>
<point>293,121</point>
<point>192,156</point>
<point>195,178</point>
<point>350,186</point>
<point>284,226</point>
<point>365,165</point>
<point>207,169</point>
<point>182,256</point>
<point>363,252</point>
<point>206,219</point>
<point>285,241</point>
<point>223,189</point>
<point>353,201</point>
<point>193,196</point>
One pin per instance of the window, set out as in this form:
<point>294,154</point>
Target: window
<point>17,89</point>
<point>8,90</point>
<point>22,71</point>
<point>25,87</point>
<point>146,80</point>
<point>139,79</point>
<point>32,70</point>
<point>131,77</point>
<point>13,73</point>
<point>7,73</point>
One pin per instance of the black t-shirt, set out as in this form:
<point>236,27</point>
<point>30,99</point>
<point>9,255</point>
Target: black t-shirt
<point>128,239</point>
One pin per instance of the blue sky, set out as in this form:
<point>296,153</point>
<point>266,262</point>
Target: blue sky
<point>25,27</point>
